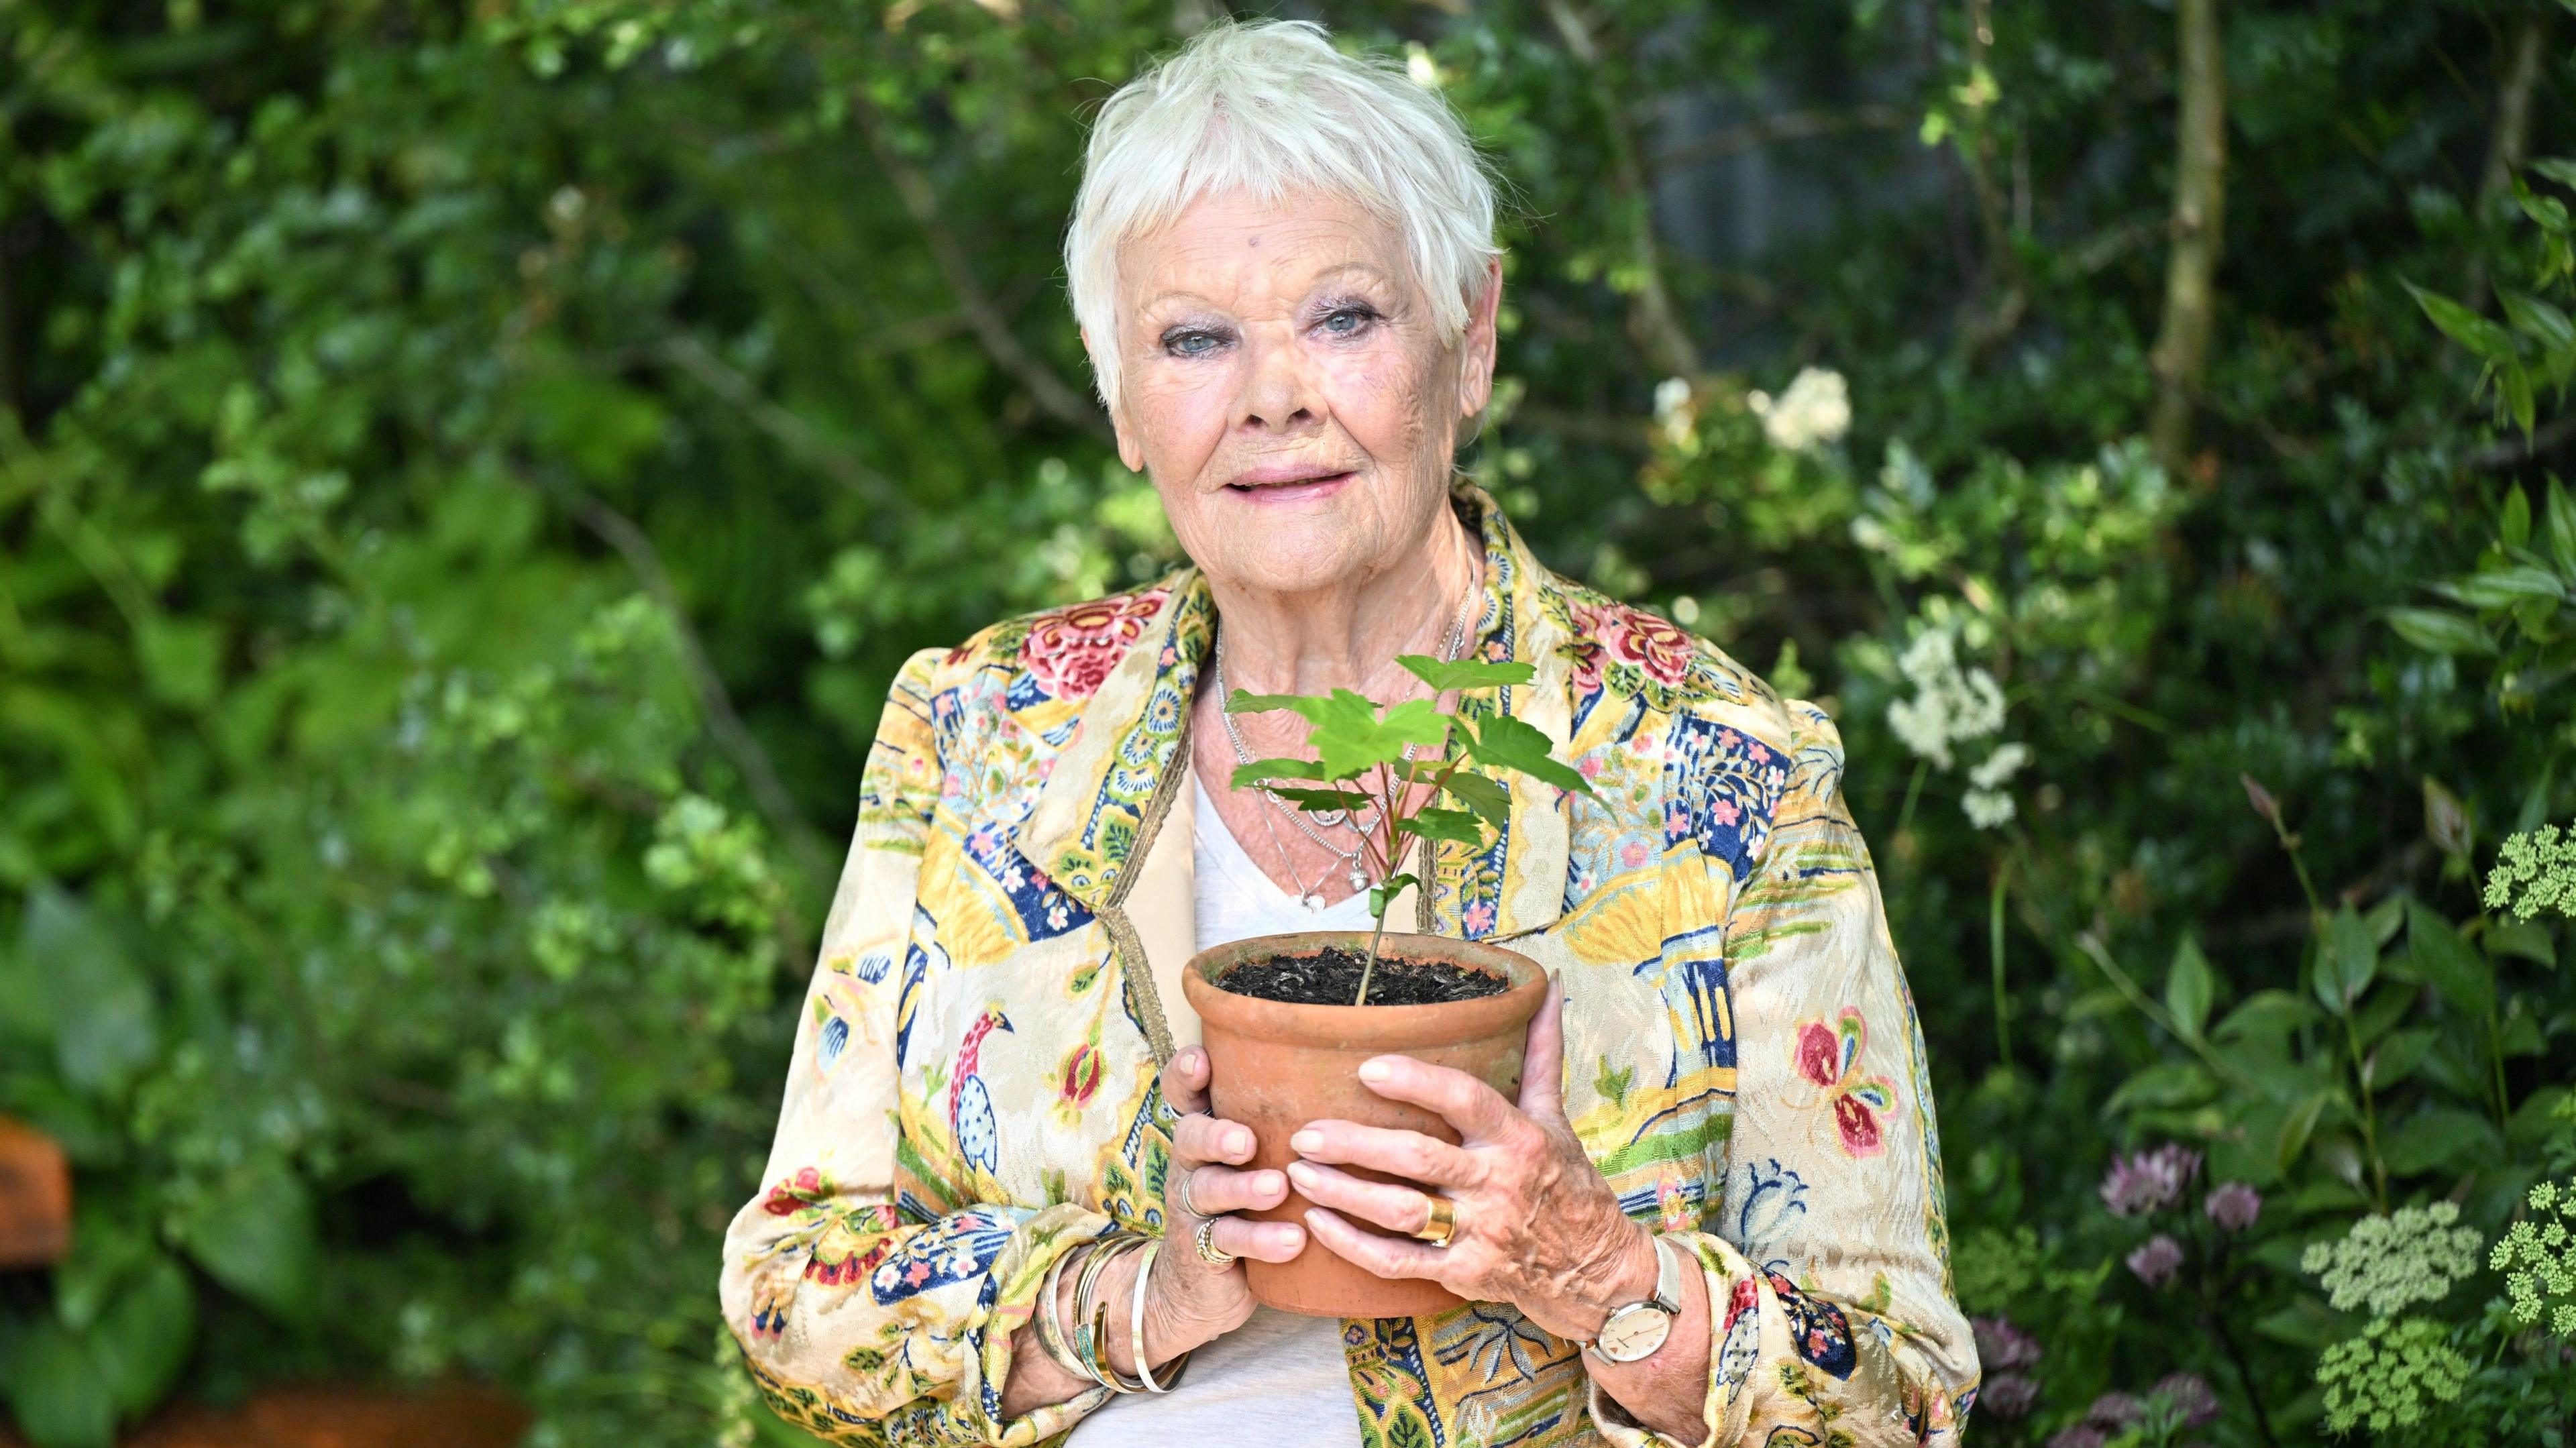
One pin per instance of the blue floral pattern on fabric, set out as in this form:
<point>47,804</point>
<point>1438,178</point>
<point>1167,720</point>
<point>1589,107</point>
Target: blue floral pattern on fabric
<point>1725,791</point>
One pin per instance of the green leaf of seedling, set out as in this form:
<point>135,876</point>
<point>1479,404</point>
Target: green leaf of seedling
<point>2347,960</point>
<point>1352,741</point>
<point>1381,894</point>
<point>1517,745</point>
<point>1318,801</point>
<point>1486,797</point>
<point>1266,769</point>
<point>2441,631</point>
<point>1465,674</point>
<point>1454,825</point>
<point>2463,326</point>
<point>2189,988</point>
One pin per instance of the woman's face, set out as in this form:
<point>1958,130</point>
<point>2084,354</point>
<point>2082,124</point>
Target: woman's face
<point>1286,388</point>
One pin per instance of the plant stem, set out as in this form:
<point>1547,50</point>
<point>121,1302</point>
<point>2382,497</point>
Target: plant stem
<point>1371,968</point>
<point>2244,1376</point>
<point>1913,789</point>
<point>1995,931</point>
<point>2369,1119</point>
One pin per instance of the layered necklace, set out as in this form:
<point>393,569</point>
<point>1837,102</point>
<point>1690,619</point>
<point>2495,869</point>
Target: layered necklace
<point>1315,824</point>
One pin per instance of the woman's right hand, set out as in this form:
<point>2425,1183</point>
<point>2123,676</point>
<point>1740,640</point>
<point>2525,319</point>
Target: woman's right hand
<point>1188,1301</point>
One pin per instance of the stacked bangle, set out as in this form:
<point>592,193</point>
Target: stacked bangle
<point>1086,1355</point>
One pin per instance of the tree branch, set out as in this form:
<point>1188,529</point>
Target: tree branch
<point>922,201</point>
<point>1786,126</point>
<point>2199,224</point>
<point>783,425</point>
<point>2512,136</point>
<point>761,777</point>
<point>1657,323</point>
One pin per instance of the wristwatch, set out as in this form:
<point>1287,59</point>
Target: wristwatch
<point>1636,1330</point>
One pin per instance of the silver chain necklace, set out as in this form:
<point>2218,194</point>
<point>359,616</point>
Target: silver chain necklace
<point>1355,871</point>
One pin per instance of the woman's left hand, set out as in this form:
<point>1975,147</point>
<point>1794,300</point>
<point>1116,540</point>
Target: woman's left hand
<point>1537,1225</point>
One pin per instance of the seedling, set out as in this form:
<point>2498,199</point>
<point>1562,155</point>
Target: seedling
<point>1360,766</point>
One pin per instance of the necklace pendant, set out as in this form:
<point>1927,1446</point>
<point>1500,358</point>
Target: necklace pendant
<point>1309,901</point>
<point>1358,878</point>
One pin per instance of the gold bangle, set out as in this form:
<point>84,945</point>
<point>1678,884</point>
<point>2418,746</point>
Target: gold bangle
<point>1136,1323</point>
<point>1094,1339</point>
<point>1050,1326</point>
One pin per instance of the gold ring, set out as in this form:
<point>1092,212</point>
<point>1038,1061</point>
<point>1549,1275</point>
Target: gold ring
<point>1440,1223</point>
<point>1209,1251</point>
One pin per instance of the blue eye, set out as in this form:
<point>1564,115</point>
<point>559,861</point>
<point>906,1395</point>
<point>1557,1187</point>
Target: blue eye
<point>1358,317</point>
<point>1184,343</point>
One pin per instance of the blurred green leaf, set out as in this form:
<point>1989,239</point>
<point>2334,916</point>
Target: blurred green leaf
<point>73,982</point>
<point>53,1387</point>
<point>2347,960</point>
<point>254,1233</point>
<point>2441,631</point>
<point>2190,987</point>
<point>2460,974</point>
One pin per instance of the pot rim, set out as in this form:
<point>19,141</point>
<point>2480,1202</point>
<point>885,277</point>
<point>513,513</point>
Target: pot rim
<point>1369,1028</point>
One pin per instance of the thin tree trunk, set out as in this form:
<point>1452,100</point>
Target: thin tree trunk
<point>2512,137</point>
<point>2199,226</point>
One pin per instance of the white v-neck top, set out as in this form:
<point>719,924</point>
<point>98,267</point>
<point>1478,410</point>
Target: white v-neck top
<point>1280,1380</point>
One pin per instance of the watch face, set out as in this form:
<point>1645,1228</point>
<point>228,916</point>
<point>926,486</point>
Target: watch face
<point>1634,1333</point>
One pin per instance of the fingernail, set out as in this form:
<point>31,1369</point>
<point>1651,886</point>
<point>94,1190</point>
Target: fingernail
<point>1268,1182</point>
<point>1238,1141</point>
<point>1375,1071</point>
<point>1300,1173</point>
<point>1306,1140</point>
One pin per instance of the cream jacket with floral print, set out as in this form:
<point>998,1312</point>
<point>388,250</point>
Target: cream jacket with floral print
<point>973,1089</point>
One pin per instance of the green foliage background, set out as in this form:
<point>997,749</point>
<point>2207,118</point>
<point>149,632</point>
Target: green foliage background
<point>468,472</point>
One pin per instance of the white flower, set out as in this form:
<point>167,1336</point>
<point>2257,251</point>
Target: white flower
<point>1420,67</point>
<point>1674,412</point>
<point>1950,704</point>
<point>1987,808</point>
<point>2001,765</point>
<point>1815,410</point>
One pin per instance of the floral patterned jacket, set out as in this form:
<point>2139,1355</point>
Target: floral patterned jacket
<point>973,1088</point>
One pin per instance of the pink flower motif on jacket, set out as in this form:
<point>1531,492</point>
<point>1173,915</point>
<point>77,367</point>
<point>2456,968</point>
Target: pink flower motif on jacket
<point>1070,651</point>
<point>1613,633</point>
<point>1827,1055</point>
<point>1080,1078</point>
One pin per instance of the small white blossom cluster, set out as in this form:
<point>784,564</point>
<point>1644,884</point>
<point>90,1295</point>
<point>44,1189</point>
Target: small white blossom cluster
<point>1815,410</point>
<point>1953,705</point>
<point>2538,1258</point>
<point>2535,872</point>
<point>1675,412</point>
<point>2387,1262</point>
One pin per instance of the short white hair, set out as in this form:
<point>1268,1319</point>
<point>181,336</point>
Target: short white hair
<point>1264,107</point>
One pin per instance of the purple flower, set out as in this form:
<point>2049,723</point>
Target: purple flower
<point>2149,1181</point>
<point>2234,1206</point>
<point>2001,1347</point>
<point>2194,1402</point>
<point>2008,1396</point>
<point>2112,1412</point>
<point>2082,1435</point>
<point>2156,1261</point>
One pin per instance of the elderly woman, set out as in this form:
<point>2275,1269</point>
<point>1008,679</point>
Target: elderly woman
<point>1714,1215</point>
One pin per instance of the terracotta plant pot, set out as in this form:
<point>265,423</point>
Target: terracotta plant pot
<point>35,1198</point>
<point>1275,1067</point>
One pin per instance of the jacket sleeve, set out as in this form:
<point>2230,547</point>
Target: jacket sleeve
<point>1831,1314</point>
<point>866,1316</point>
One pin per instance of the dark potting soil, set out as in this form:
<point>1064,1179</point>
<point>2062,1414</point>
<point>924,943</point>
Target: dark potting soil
<point>1331,977</point>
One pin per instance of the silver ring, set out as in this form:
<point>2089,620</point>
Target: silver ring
<point>1209,1251</point>
<point>1187,1204</point>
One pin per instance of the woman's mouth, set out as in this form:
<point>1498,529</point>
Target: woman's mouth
<point>1296,490</point>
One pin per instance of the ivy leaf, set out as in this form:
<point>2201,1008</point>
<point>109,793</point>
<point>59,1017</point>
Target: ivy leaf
<point>1485,796</point>
<point>2441,631</point>
<point>1516,744</point>
<point>2347,960</point>
<point>1464,674</point>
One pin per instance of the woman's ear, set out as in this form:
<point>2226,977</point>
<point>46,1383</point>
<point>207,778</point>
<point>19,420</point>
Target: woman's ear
<point>1477,345</point>
<point>1128,453</point>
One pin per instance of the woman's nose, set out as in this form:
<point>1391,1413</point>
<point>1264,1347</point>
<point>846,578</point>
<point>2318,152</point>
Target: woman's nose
<point>1279,387</point>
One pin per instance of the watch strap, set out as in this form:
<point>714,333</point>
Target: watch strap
<point>1666,1296</point>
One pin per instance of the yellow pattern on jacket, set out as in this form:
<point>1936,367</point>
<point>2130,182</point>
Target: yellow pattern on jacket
<point>973,1086</point>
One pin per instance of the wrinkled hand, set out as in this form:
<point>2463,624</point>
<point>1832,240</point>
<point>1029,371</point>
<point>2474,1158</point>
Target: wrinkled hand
<point>1188,1302</point>
<point>1537,1225</point>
